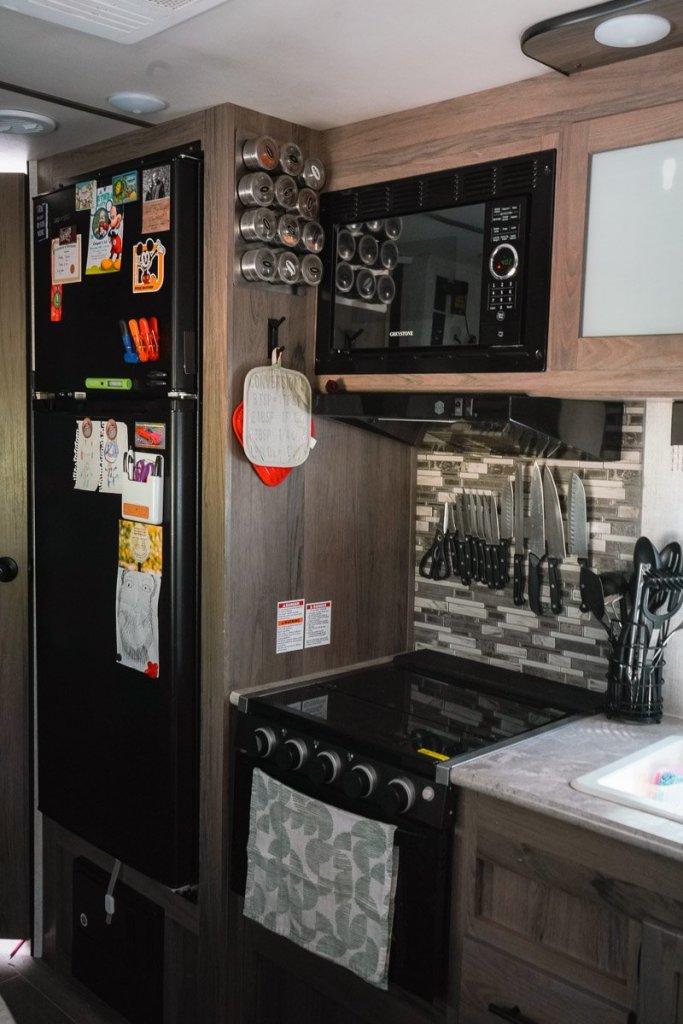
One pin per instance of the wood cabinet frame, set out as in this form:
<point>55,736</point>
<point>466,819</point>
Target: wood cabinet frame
<point>624,358</point>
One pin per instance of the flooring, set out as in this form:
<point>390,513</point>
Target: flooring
<point>35,994</point>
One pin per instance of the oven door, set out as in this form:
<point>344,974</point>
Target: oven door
<point>419,942</point>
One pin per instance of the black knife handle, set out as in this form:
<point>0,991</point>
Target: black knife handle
<point>464,561</point>
<point>488,563</point>
<point>535,583</point>
<point>518,579</point>
<point>503,560</point>
<point>583,563</point>
<point>474,557</point>
<point>495,583</point>
<point>555,584</point>
<point>481,558</point>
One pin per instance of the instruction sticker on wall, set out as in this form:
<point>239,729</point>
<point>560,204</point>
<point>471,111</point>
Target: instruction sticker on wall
<point>318,624</point>
<point>290,626</point>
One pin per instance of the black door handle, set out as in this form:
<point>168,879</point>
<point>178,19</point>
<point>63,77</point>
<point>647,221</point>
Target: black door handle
<point>8,569</point>
<point>514,1014</point>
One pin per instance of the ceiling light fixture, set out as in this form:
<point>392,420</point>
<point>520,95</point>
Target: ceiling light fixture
<point>25,122</point>
<point>604,34</point>
<point>136,103</point>
<point>632,30</point>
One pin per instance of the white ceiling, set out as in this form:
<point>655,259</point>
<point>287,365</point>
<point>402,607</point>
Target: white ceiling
<point>320,63</point>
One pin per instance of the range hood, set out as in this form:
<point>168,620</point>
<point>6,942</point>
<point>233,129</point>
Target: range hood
<point>501,424</point>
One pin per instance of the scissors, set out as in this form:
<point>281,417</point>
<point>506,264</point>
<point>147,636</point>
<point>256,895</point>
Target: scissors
<point>435,564</point>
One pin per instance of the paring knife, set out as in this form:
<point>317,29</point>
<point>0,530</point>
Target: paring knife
<point>518,537</point>
<point>507,506</point>
<point>480,534</point>
<point>578,531</point>
<point>536,539</point>
<point>471,524</point>
<point>490,555</point>
<point>555,536</point>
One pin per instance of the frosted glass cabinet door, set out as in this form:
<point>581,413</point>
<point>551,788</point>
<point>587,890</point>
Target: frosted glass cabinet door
<point>633,281</point>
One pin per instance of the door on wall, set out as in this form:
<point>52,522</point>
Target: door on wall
<point>15,800</point>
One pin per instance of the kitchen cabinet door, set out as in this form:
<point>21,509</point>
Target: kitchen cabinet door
<point>661,976</point>
<point>623,359</point>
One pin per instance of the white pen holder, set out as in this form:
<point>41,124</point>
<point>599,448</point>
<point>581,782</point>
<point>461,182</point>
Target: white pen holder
<point>143,500</point>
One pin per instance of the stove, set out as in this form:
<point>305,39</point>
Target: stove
<point>378,736</point>
<point>383,743</point>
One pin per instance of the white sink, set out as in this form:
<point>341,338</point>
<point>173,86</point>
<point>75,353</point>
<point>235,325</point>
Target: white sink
<point>632,780</point>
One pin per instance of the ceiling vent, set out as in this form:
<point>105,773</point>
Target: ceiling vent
<point>123,21</point>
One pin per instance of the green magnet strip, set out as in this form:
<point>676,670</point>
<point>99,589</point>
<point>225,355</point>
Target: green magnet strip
<point>108,383</point>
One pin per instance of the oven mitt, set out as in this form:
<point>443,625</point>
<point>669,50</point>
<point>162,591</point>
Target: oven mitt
<point>277,416</point>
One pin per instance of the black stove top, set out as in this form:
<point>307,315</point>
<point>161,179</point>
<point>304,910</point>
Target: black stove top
<point>425,707</point>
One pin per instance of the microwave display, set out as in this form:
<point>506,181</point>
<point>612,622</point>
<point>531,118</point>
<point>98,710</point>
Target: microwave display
<point>435,286</point>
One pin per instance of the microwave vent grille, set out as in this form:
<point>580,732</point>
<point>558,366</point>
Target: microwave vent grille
<point>405,195</point>
<point>479,184</point>
<point>373,202</point>
<point>519,177</point>
<point>440,191</point>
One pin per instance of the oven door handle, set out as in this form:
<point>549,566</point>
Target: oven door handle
<point>514,1014</point>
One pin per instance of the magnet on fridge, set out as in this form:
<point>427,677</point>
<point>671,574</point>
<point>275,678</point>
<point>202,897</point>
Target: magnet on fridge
<point>129,355</point>
<point>56,298</point>
<point>142,497</point>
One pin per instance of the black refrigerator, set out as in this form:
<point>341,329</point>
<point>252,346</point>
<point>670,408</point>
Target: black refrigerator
<point>117,274</point>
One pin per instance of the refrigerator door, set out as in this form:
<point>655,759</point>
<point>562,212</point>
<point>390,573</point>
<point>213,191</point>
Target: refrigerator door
<point>117,747</point>
<point>78,333</point>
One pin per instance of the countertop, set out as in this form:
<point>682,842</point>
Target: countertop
<point>536,772</point>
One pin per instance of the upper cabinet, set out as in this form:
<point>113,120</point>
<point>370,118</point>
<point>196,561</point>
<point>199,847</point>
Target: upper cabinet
<point>617,305</point>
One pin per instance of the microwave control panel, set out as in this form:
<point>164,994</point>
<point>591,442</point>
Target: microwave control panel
<point>503,260</point>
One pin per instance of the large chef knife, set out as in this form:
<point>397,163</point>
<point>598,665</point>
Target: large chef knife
<point>507,506</point>
<point>555,532</point>
<point>536,539</point>
<point>578,531</point>
<point>518,572</point>
<point>464,560</point>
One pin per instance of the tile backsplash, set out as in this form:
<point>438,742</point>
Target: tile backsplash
<point>485,624</point>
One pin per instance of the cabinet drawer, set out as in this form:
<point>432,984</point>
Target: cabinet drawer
<point>491,978</point>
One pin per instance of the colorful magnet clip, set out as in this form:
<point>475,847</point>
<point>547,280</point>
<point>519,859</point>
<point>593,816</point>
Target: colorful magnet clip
<point>148,339</point>
<point>138,341</point>
<point>129,355</point>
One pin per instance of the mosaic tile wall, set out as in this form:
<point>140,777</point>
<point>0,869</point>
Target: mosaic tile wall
<point>486,625</point>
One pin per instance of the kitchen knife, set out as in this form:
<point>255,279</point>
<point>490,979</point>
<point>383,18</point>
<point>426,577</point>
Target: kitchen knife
<point>471,524</point>
<point>497,563</point>
<point>536,539</point>
<point>518,537</point>
<point>577,521</point>
<point>507,506</point>
<point>481,539</point>
<point>464,561</point>
<point>555,535</point>
<point>489,556</point>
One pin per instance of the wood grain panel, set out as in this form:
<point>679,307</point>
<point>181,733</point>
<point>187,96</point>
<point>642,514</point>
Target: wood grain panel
<point>490,977</point>
<point>15,775</point>
<point>661,992</point>
<point>438,135</point>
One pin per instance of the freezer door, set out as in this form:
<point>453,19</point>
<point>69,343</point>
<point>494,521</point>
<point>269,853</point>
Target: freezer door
<point>117,746</point>
<point>78,336</point>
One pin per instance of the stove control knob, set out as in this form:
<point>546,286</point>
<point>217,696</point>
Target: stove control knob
<point>264,741</point>
<point>398,797</point>
<point>361,781</point>
<point>292,755</point>
<point>325,767</point>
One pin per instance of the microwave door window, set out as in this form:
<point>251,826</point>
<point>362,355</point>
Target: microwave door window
<point>419,289</point>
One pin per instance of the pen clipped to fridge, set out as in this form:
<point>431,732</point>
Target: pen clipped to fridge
<point>116,486</point>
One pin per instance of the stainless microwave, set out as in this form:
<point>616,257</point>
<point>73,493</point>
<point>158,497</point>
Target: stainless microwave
<point>447,272</point>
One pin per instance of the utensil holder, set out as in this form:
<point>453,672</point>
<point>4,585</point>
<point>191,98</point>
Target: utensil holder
<point>634,686</point>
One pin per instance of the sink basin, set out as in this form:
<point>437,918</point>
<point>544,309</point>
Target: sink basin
<point>651,779</point>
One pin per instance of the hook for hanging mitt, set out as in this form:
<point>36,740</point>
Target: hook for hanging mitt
<point>274,326</point>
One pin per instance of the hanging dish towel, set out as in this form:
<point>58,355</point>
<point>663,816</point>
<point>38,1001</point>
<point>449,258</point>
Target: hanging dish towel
<point>322,877</point>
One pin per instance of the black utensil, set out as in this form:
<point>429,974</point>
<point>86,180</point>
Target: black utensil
<point>594,597</point>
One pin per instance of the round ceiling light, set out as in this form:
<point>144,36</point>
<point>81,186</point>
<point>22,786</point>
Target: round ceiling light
<point>25,122</point>
<point>632,30</point>
<point>136,103</point>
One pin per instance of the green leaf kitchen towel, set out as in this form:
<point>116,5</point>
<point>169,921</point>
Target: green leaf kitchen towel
<point>322,877</point>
